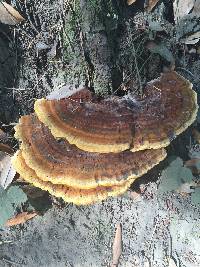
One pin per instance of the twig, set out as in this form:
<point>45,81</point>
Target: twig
<point>6,242</point>
<point>137,71</point>
<point>29,19</point>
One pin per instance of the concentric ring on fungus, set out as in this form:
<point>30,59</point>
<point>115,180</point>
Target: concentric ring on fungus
<point>100,165</point>
<point>95,126</point>
<point>59,162</point>
<point>167,108</point>
<point>68,194</point>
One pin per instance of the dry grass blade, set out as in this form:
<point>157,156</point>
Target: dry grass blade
<point>21,218</point>
<point>182,8</point>
<point>7,172</point>
<point>9,15</point>
<point>130,2</point>
<point>117,246</point>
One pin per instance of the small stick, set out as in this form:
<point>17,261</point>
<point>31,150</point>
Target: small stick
<point>117,246</point>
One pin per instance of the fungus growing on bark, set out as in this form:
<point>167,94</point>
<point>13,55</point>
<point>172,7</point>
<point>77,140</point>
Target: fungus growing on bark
<point>59,162</point>
<point>95,126</point>
<point>100,165</point>
<point>68,194</point>
<point>167,108</point>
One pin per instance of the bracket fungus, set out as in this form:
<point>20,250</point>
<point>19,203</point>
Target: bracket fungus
<point>85,149</point>
<point>95,126</point>
<point>59,162</point>
<point>67,193</point>
<point>167,108</point>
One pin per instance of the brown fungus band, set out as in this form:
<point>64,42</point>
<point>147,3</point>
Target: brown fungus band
<point>60,162</point>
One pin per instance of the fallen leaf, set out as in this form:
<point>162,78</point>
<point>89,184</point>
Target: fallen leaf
<point>117,245</point>
<point>21,218</point>
<point>191,39</point>
<point>174,176</point>
<point>186,188</point>
<point>151,4</point>
<point>182,8</point>
<point>194,165</point>
<point>9,15</point>
<point>196,135</point>
<point>6,148</point>
<point>192,162</point>
<point>10,199</point>
<point>172,263</point>
<point>134,195</point>
<point>130,2</point>
<point>162,50</point>
<point>7,172</point>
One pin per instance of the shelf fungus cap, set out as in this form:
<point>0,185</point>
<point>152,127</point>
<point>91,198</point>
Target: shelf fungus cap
<point>167,108</point>
<point>94,126</point>
<point>68,194</point>
<point>59,162</point>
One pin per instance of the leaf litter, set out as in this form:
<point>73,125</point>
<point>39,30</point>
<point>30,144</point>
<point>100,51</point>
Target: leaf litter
<point>7,172</point>
<point>9,15</point>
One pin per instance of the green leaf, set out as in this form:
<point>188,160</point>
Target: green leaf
<point>162,50</point>
<point>174,176</point>
<point>9,200</point>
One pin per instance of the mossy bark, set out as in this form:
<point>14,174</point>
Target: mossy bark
<point>92,27</point>
<point>106,49</point>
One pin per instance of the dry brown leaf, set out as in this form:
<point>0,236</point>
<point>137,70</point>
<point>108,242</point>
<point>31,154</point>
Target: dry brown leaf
<point>117,245</point>
<point>9,15</point>
<point>151,4</point>
<point>7,172</point>
<point>21,218</point>
<point>196,135</point>
<point>192,164</point>
<point>130,2</point>
<point>6,148</point>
